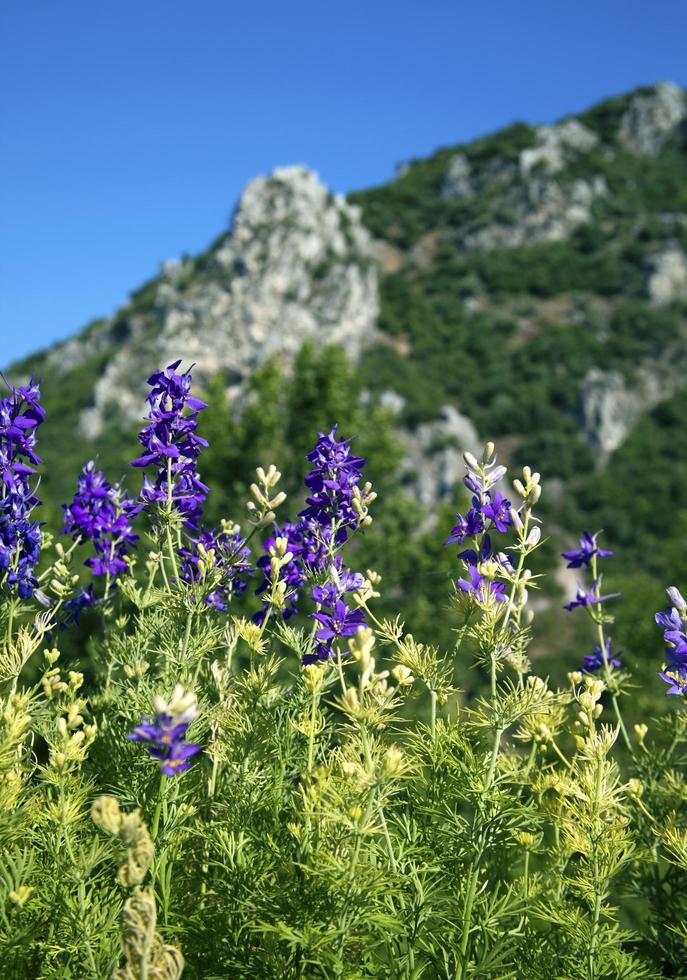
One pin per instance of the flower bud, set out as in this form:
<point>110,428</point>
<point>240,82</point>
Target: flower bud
<point>534,537</point>
<point>515,519</point>
<point>106,814</point>
<point>676,600</point>
<point>393,762</point>
<point>402,675</point>
<point>641,732</point>
<point>634,788</point>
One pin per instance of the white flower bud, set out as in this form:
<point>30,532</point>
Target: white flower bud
<point>676,600</point>
<point>534,537</point>
<point>515,519</point>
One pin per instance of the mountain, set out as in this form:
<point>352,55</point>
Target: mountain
<point>530,287</point>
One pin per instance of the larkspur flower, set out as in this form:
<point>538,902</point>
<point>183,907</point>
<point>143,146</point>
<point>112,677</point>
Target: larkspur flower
<point>497,510</point>
<point>335,473</point>
<point>73,607</point>
<point>172,445</point>
<point>468,526</point>
<point>20,537</point>
<point>577,557</point>
<point>164,733</point>
<point>101,513</point>
<point>480,588</point>
<point>338,621</point>
<point>673,621</point>
<point>226,551</point>
<point>595,661</point>
<point>591,597</point>
<point>676,678</point>
<point>322,526</point>
<point>293,573</point>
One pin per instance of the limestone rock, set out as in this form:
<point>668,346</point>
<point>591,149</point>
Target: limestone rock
<point>556,145</point>
<point>458,182</point>
<point>433,462</point>
<point>297,265</point>
<point>651,118</point>
<point>542,210</point>
<point>668,276</point>
<point>612,406</point>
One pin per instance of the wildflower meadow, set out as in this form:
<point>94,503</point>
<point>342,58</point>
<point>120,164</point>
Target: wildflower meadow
<point>253,773</point>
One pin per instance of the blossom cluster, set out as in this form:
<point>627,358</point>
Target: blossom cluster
<point>171,443</point>
<point>20,537</point>
<point>164,733</point>
<point>674,624</point>
<point>223,553</point>
<point>490,512</point>
<point>586,556</point>
<point>101,512</point>
<point>335,507</point>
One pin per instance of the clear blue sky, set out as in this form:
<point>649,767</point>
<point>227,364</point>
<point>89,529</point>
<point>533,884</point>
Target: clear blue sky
<point>128,129</point>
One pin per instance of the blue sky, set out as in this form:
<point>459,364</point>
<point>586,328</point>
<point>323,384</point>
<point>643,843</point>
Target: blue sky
<point>128,129</point>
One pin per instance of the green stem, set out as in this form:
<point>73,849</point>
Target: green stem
<point>158,807</point>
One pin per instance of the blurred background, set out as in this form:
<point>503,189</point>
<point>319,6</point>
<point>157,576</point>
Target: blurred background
<point>431,225</point>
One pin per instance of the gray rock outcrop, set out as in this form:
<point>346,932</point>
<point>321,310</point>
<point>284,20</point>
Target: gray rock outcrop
<point>667,276</point>
<point>541,210</point>
<point>556,145</point>
<point>612,405</point>
<point>652,118</point>
<point>433,459</point>
<point>458,182</point>
<point>297,265</point>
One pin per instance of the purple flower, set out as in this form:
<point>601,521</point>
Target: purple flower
<point>677,679</point>
<point>481,588</point>
<point>584,554</point>
<point>171,444</point>
<point>339,621</point>
<point>229,555</point>
<point>101,513</point>
<point>20,537</point>
<point>595,661</point>
<point>591,598</point>
<point>468,526</point>
<point>497,509</point>
<point>164,733</point>
<point>73,608</point>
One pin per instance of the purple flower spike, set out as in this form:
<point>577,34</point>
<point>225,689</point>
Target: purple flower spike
<point>101,513</point>
<point>331,481</point>
<point>584,554</point>
<point>230,557</point>
<point>674,625</point>
<point>321,527</point>
<point>20,537</point>
<point>170,439</point>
